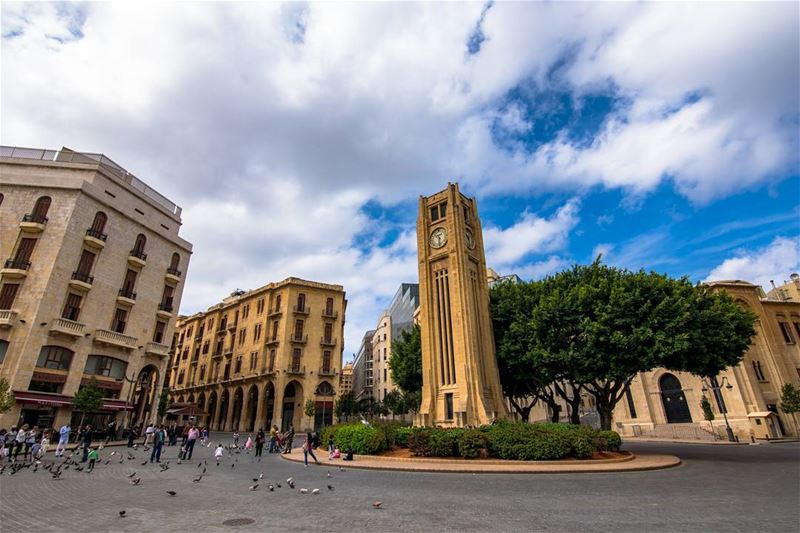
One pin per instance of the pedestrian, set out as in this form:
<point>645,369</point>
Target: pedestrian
<point>131,435</point>
<point>44,444</point>
<point>3,434</point>
<point>260,437</point>
<point>158,442</point>
<point>63,439</point>
<point>236,438</point>
<point>289,438</point>
<point>218,452</point>
<point>273,438</point>
<point>248,444</point>
<point>308,449</point>
<point>173,437</point>
<point>87,442</point>
<point>30,440</point>
<point>93,457</point>
<point>19,440</point>
<point>148,435</point>
<point>111,431</point>
<point>191,438</point>
<point>331,447</point>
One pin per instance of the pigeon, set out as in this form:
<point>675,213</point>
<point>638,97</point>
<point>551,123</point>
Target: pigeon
<point>315,491</point>
<point>341,469</point>
<point>255,479</point>
<point>330,487</point>
<point>279,485</point>
<point>254,487</point>
<point>289,480</point>
<point>261,475</point>
<point>204,470</point>
<point>232,465</point>
<point>136,481</point>
<point>329,473</point>
<point>377,504</point>
<point>179,460</point>
<point>122,513</point>
<point>271,487</point>
<point>144,463</point>
<point>197,479</point>
<point>132,474</point>
<point>303,491</point>
<point>171,492</point>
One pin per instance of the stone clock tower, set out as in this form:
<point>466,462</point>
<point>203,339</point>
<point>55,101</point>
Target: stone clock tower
<point>460,382</point>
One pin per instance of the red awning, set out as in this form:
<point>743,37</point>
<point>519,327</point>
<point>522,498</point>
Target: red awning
<point>41,398</point>
<point>117,405</point>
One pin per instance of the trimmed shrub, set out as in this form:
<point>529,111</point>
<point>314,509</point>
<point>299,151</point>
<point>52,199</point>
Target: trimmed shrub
<point>419,442</point>
<point>608,441</point>
<point>360,438</point>
<point>444,442</point>
<point>401,436</point>
<point>471,443</point>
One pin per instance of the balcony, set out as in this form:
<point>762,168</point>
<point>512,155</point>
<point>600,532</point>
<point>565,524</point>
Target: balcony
<point>221,329</point>
<point>295,370</point>
<point>7,318</point>
<point>273,340</point>
<point>156,348</point>
<point>81,281</point>
<point>275,312</point>
<point>126,296</point>
<point>217,353</point>
<point>327,372</point>
<point>327,342</point>
<point>95,239</point>
<point>173,274</point>
<point>33,223</point>
<point>15,268</point>
<point>137,258</point>
<point>330,314</point>
<point>301,310</point>
<point>299,339</point>
<point>112,338</point>
<point>67,327</point>
<point>165,309</point>
<point>231,326</point>
<point>227,352</point>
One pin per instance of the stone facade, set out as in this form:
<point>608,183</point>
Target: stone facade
<point>93,276</point>
<point>461,383</point>
<point>346,379</point>
<point>253,360</point>
<point>364,369</point>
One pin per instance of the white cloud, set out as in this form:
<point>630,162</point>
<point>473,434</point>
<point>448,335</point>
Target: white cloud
<point>773,262</point>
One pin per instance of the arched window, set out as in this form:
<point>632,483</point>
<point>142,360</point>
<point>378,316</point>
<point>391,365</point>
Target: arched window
<point>1,198</point>
<point>40,209</point>
<point>325,389</point>
<point>138,246</point>
<point>99,223</point>
<point>54,357</point>
<point>175,261</point>
<point>101,365</point>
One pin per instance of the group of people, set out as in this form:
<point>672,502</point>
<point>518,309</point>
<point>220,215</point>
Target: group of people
<point>34,442</point>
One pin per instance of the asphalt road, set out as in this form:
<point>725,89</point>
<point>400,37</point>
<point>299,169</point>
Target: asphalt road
<point>718,488</point>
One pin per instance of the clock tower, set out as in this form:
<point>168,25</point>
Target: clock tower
<point>460,381</point>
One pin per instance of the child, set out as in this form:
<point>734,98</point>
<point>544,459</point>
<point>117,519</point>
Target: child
<point>236,438</point>
<point>248,444</point>
<point>218,452</point>
<point>44,445</point>
<point>93,457</point>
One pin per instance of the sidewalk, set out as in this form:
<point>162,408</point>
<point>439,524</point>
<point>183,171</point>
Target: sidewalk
<point>683,441</point>
<point>630,463</point>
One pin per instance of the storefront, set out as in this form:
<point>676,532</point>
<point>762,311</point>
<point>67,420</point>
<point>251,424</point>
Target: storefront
<point>181,414</point>
<point>39,408</point>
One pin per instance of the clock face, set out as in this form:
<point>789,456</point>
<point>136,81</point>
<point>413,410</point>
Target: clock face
<point>470,239</point>
<point>438,238</point>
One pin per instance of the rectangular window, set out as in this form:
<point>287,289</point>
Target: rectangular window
<point>631,406</point>
<point>205,347</point>
<point>797,328</point>
<point>85,263</point>
<point>54,358</point>
<point>384,374</point>
<point>296,360</point>
<point>448,406</point>
<point>442,209</point>
<point>158,334</point>
<point>329,306</point>
<point>242,336</point>
<point>24,250</point>
<point>202,372</point>
<point>271,360</point>
<point>130,281</point>
<point>326,361</point>
<point>787,333</point>
<point>180,378</point>
<point>275,330</point>
<point>298,329</point>
<point>120,318</point>
<point>7,295</point>
<point>72,308</point>
<point>434,213</point>
<point>238,367</point>
<point>328,331</point>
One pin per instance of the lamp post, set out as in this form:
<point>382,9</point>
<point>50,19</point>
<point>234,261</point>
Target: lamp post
<point>711,383</point>
<point>130,395</point>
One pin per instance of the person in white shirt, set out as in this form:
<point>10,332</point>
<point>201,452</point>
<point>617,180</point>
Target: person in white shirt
<point>63,439</point>
<point>148,435</point>
<point>218,452</point>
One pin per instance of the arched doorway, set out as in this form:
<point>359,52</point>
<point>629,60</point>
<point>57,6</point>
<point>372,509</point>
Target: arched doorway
<point>145,397</point>
<point>212,409</point>
<point>291,413</point>
<point>223,410</point>
<point>201,400</point>
<point>191,398</point>
<point>676,408</point>
<point>269,407</point>
<point>252,407</point>
<point>238,401</point>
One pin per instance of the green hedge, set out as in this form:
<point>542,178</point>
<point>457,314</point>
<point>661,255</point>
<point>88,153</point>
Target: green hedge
<point>356,436</point>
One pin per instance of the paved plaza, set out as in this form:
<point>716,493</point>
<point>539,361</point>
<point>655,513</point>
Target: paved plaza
<point>717,488</point>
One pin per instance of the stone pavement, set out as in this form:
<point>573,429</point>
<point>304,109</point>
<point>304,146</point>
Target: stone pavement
<point>716,488</point>
<point>630,463</point>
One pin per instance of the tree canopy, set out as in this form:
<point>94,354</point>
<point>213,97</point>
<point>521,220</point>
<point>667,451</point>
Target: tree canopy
<point>88,398</point>
<point>6,396</point>
<point>406,361</point>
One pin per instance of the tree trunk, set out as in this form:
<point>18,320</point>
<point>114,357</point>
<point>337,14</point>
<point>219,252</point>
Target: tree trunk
<point>83,416</point>
<point>555,412</point>
<point>574,413</point>
<point>605,412</point>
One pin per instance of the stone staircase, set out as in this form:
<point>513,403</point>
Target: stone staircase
<point>687,431</point>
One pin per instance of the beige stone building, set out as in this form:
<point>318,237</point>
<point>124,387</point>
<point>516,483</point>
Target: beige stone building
<point>256,358</point>
<point>461,383</point>
<point>92,277</point>
<point>364,369</point>
<point>346,379</point>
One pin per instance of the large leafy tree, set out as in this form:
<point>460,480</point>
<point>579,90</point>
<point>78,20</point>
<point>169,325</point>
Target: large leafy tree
<point>346,406</point>
<point>406,361</point>
<point>790,401</point>
<point>88,398</point>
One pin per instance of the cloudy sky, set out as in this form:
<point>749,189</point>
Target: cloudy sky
<point>297,137</point>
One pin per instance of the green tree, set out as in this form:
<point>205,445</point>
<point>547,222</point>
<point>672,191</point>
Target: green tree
<point>163,403</point>
<point>705,405</point>
<point>6,396</point>
<point>412,400</point>
<point>406,361</point>
<point>310,408</point>
<point>790,401</point>
<point>346,406</point>
<point>88,398</point>
<point>394,402</point>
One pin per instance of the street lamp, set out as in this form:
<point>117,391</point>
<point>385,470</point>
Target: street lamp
<point>130,395</point>
<point>717,388</point>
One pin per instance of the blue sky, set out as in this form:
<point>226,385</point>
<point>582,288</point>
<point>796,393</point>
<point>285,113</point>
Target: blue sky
<point>297,137</point>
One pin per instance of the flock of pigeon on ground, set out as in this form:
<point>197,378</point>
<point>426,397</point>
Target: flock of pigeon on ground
<point>56,470</point>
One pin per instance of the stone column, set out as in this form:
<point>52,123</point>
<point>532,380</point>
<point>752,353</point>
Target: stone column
<point>262,401</point>
<point>277,413</point>
<point>229,414</point>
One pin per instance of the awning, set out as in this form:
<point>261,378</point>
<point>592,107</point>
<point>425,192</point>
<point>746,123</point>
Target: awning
<point>761,414</point>
<point>186,410</point>
<point>117,405</point>
<point>42,398</point>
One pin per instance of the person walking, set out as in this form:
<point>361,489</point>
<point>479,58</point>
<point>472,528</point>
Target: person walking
<point>260,437</point>
<point>236,438</point>
<point>148,435</point>
<point>191,438</point>
<point>11,441</point>
<point>308,449</point>
<point>44,444</point>
<point>19,440</point>
<point>273,438</point>
<point>111,431</point>
<point>131,435</point>
<point>63,439</point>
<point>289,439</point>
<point>158,442</point>
<point>30,440</point>
<point>93,457</point>
<point>87,442</point>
